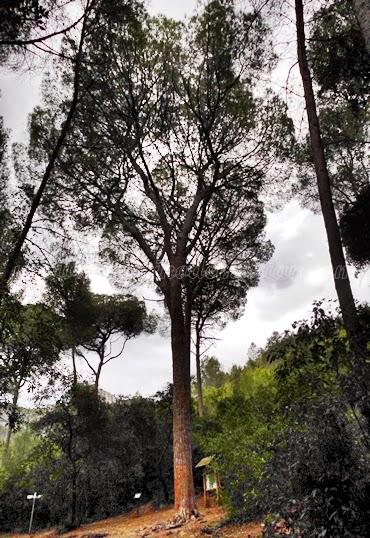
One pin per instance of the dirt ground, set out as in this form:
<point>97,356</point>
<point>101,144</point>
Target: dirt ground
<point>151,524</point>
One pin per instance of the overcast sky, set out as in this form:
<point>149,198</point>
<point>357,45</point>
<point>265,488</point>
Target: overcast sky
<point>298,273</point>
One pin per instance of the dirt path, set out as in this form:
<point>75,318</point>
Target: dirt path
<point>151,524</point>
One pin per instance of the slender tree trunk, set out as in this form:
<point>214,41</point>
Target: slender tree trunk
<point>338,262</point>
<point>163,482</point>
<point>74,497</point>
<point>97,375</point>
<point>37,199</point>
<point>362,11</point>
<point>74,365</point>
<point>182,451</point>
<point>199,373</point>
<point>13,410</point>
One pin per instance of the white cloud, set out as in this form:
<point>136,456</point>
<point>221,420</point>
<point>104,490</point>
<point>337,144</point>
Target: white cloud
<point>172,8</point>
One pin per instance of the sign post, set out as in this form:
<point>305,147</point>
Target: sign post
<point>33,497</point>
<point>136,498</point>
<point>210,478</point>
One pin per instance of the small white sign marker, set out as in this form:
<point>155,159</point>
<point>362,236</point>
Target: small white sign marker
<point>33,497</point>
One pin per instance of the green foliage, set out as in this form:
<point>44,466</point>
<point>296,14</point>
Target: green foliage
<point>91,320</point>
<point>290,430</point>
<point>339,58</point>
<point>68,293</point>
<point>219,295</point>
<point>20,476</point>
<point>340,65</point>
<point>88,459</point>
<point>318,479</point>
<point>31,336</point>
<point>119,314</point>
<point>31,342</point>
<point>212,374</point>
<point>240,427</point>
<point>355,229</point>
<point>19,17</point>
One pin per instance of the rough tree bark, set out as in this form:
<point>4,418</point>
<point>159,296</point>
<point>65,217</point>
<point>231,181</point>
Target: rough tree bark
<point>338,262</point>
<point>362,11</point>
<point>182,452</point>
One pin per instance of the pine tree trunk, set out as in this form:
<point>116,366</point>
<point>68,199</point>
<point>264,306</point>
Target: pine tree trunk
<point>338,262</point>
<point>199,373</point>
<point>182,451</point>
<point>362,11</point>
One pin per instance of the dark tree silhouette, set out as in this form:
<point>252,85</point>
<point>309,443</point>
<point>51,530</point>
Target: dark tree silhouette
<point>338,262</point>
<point>115,319</point>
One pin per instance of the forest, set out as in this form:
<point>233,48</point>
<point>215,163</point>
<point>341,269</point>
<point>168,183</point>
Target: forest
<point>137,216</point>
